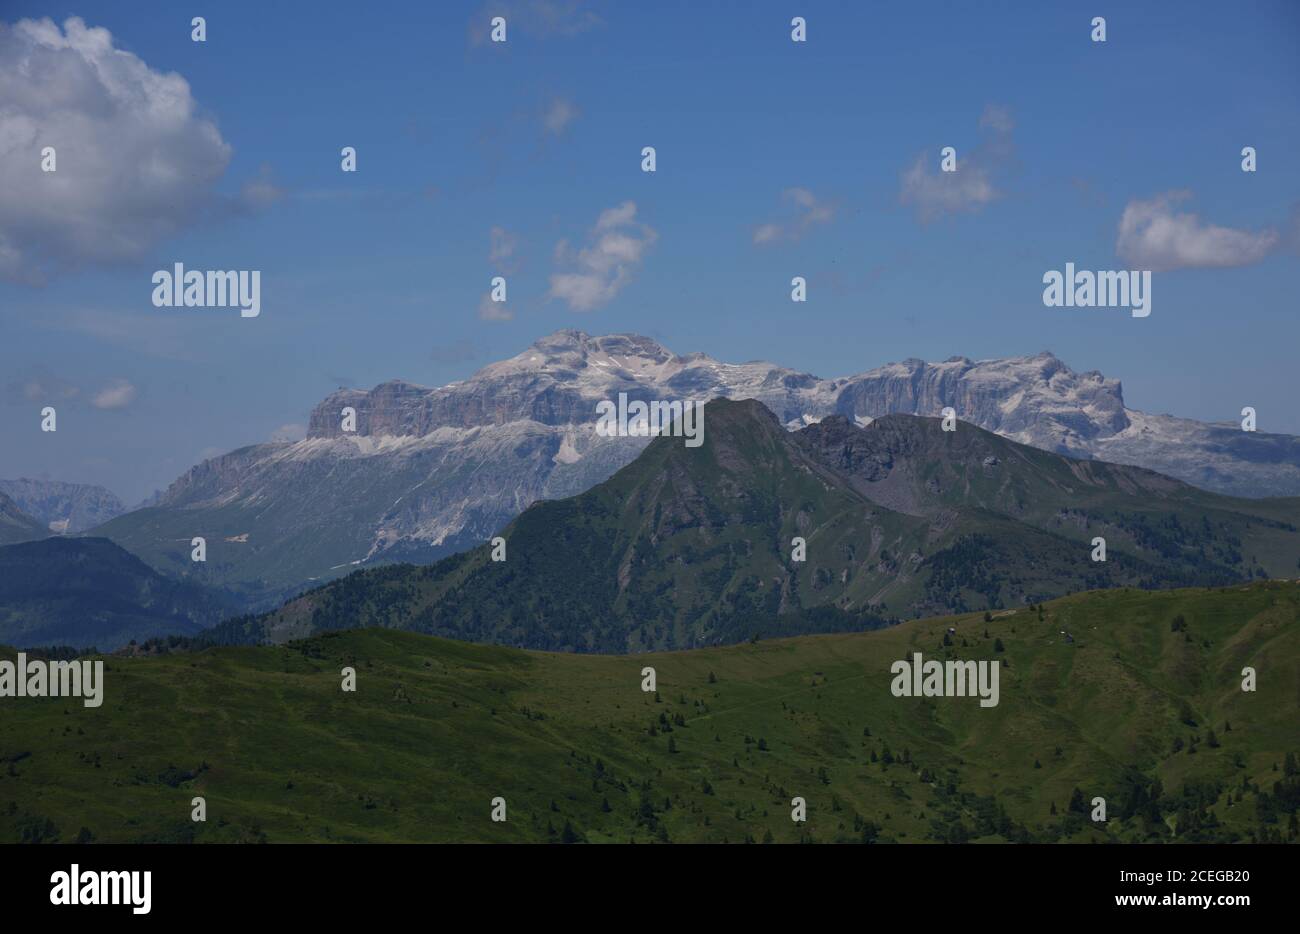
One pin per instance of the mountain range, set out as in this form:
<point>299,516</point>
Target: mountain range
<point>65,508</point>
<point>88,592</point>
<point>701,546</point>
<point>431,472</point>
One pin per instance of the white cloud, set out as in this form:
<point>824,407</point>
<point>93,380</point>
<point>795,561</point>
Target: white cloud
<point>558,114</point>
<point>934,192</point>
<point>618,216</point>
<point>135,162</point>
<point>1152,235</point>
<point>116,395</point>
<point>807,211</point>
<point>618,244</point>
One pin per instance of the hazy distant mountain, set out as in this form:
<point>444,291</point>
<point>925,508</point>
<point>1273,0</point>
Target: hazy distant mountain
<point>65,508</point>
<point>89,592</point>
<point>429,472</point>
<point>694,546</point>
<point>16,525</point>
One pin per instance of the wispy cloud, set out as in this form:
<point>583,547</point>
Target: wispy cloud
<point>536,19</point>
<point>1153,235</point>
<point>805,212</point>
<point>970,188</point>
<point>616,248</point>
<point>261,191</point>
<point>532,127</point>
<point>118,394</point>
<point>501,253</point>
<point>997,118</point>
<point>153,335</point>
<point>557,114</point>
<point>43,387</point>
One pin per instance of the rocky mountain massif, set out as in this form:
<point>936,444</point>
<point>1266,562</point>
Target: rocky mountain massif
<point>430,472</point>
<point>688,547</point>
<point>65,508</point>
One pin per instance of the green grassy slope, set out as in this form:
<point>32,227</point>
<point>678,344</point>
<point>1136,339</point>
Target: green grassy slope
<point>438,728</point>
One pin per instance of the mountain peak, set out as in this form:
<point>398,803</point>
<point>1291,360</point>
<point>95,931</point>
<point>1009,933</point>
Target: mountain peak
<point>564,337</point>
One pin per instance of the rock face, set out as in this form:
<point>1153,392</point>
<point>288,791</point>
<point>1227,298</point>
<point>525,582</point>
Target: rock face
<point>1035,400</point>
<point>432,471</point>
<point>558,382</point>
<point>1041,402</point>
<point>65,508</point>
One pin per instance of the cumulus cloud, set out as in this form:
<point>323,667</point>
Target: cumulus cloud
<point>617,246</point>
<point>135,162</point>
<point>805,212</point>
<point>116,395</point>
<point>935,193</point>
<point>1153,235</point>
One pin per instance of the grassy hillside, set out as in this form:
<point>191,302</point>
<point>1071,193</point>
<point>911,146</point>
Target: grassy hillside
<point>1141,705</point>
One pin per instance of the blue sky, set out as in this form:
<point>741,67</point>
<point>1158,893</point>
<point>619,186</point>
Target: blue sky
<point>775,159</point>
